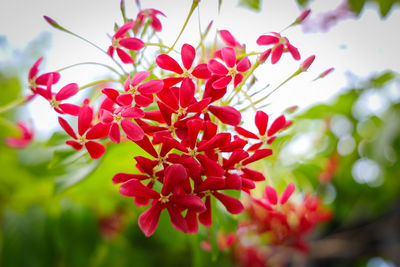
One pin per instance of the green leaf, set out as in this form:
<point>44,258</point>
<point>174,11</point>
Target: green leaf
<point>356,5</point>
<point>70,179</point>
<point>385,6</point>
<point>251,4</point>
<point>381,80</point>
<point>302,2</point>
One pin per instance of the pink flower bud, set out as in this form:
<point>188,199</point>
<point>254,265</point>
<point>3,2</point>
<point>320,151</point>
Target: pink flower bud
<point>307,63</point>
<point>326,72</point>
<point>303,16</point>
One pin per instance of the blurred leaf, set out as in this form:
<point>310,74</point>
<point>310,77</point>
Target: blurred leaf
<point>10,89</point>
<point>302,2</point>
<point>381,80</point>
<point>251,4</point>
<point>70,179</point>
<point>385,6</point>
<point>356,5</point>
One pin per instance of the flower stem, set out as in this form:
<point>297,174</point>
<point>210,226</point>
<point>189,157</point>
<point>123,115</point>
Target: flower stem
<point>13,104</point>
<point>279,86</point>
<point>96,82</point>
<point>195,3</point>
<point>57,26</point>
<point>239,87</point>
<point>89,63</point>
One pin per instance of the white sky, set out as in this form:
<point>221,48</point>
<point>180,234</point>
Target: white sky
<point>361,46</point>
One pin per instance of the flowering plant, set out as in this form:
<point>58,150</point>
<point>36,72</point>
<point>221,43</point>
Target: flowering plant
<point>186,116</point>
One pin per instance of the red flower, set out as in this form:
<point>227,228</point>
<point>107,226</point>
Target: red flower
<point>264,136</point>
<point>24,140</point>
<point>152,14</point>
<point>232,70</point>
<point>188,54</point>
<point>229,40</point>
<point>281,44</point>
<point>86,133</point>
<point>119,40</point>
<point>120,117</point>
<point>55,98</point>
<point>35,81</point>
<point>168,199</point>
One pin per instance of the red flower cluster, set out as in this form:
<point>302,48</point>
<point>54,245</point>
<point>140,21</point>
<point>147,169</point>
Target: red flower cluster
<point>194,156</point>
<point>286,223</point>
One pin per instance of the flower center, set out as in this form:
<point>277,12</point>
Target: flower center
<point>133,90</point>
<point>238,166</point>
<point>181,111</point>
<point>32,83</point>
<point>53,102</point>
<point>163,199</point>
<point>117,118</point>
<point>115,42</point>
<point>82,140</point>
<point>187,73</point>
<point>193,152</point>
<point>232,72</point>
<point>263,138</point>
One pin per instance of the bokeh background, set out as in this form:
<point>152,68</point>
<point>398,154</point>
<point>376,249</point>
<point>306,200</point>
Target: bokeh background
<point>344,144</point>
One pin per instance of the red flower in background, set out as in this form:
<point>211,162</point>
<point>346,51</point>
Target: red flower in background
<point>24,140</point>
<point>150,14</point>
<point>119,40</point>
<point>280,45</point>
<point>264,136</point>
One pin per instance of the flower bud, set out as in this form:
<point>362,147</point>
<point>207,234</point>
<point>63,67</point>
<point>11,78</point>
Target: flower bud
<point>302,16</point>
<point>307,63</point>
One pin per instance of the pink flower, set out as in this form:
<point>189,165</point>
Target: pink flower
<point>168,199</point>
<point>281,44</point>
<point>188,54</point>
<point>119,40</point>
<point>25,138</point>
<point>264,136</point>
<point>35,80</point>
<point>55,98</point>
<point>230,40</point>
<point>151,14</point>
<point>232,70</point>
<point>86,133</point>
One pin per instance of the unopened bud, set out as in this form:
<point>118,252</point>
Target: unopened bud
<point>307,63</point>
<point>53,23</point>
<point>264,56</point>
<point>303,16</point>
<point>322,75</point>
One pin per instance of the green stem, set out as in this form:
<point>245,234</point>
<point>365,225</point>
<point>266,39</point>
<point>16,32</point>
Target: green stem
<point>89,63</point>
<point>10,125</point>
<point>96,82</point>
<point>195,3</point>
<point>13,104</point>
<point>156,44</point>
<point>279,86</point>
<point>239,87</point>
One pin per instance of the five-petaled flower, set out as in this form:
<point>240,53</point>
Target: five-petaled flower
<point>26,136</point>
<point>119,40</point>
<point>280,44</point>
<point>42,80</point>
<point>233,69</point>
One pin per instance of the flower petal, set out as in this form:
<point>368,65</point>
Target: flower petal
<point>139,77</point>
<point>271,195</point>
<point>125,57</point>
<point>168,63</point>
<point>186,92</point>
<point>231,204</point>
<point>205,217</point>
<point>174,175</point>
<point>67,91</point>
<point>151,87</point>
<point>286,193</point>
<point>226,114</point>
<point>99,130</point>
<point>217,68</point>
<point>132,43</point>
<point>201,71</point>
<point>261,121</point>
<point>134,188</point>
<point>177,220</point>
<point>267,40</point>
<point>132,113</point>
<point>95,149</point>
<point>148,220</point>
<point>229,56</point>
<point>70,109</point>
<point>244,65</point>
<point>277,125</point>
<point>277,53</point>
<point>259,154</point>
<point>188,202</point>
<point>188,54</point>
<point>85,118</point>
<point>132,130</point>
<point>65,125</point>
